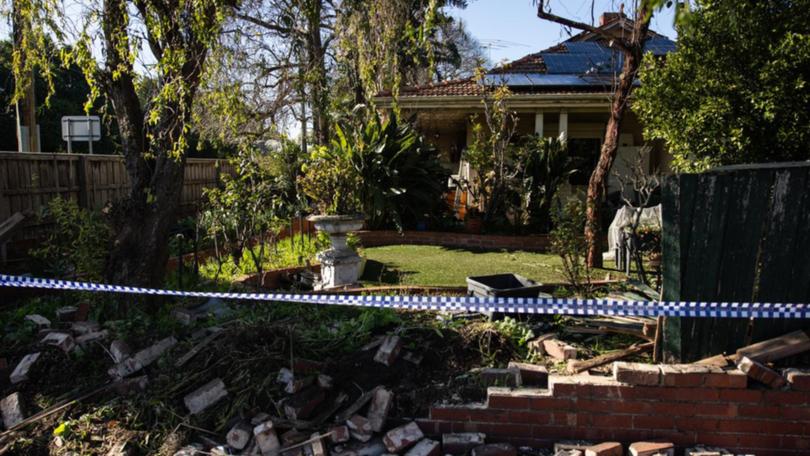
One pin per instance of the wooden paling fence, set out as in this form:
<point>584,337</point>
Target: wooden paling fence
<point>739,233</point>
<point>28,181</point>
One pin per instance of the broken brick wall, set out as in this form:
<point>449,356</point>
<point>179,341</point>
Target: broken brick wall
<point>717,409</point>
<point>532,243</point>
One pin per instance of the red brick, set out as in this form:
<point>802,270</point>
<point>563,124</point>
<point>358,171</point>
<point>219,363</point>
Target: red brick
<point>611,421</point>
<point>679,438</point>
<point>796,443</point>
<point>551,403</point>
<point>489,416</point>
<point>605,449</point>
<point>795,413</point>
<point>507,401</point>
<point>450,413</point>
<point>799,379</point>
<point>758,411</point>
<point>715,439</point>
<point>549,432</point>
<point>636,373</point>
<point>761,372</point>
<point>787,397</point>
<point>760,441</point>
<point>650,448</point>
<point>530,417</point>
<point>741,395</point>
<point>653,422</point>
<point>696,424</point>
<point>731,379</point>
<point>516,430</point>
<point>571,419</point>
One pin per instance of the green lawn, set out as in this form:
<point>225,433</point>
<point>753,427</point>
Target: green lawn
<point>441,266</point>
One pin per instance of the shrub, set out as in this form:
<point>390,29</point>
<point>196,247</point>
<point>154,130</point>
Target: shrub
<point>77,242</point>
<point>568,242</point>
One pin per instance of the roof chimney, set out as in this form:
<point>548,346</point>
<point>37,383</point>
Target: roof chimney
<point>608,17</point>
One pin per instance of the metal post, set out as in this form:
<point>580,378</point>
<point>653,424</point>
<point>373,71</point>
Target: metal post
<point>90,139</point>
<point>70,135</point>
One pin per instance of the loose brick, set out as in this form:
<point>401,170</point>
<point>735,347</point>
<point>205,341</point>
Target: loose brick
<point>425,447</point>
<point>325,381</point>
<point>605,449</point>
<point>66,313</point>
<point>85,339</point>
<point>301,405</point>
<point>205,396</point>
<point>39,321</point>
<point>402,437</point>
<point>636,373</point>
<point>565,445</point>
<point>20,373</point>
<point>284,375</point>
<point>494,449</point>
<point>707,451</point>
<point>688,375</point>
<point>142,358</point>
<point>531,374</point>
<point>297,384</point>
<point>339,434</point>
<point>317,447</point>
<point>84,327</point>
<point>461,443</point>
<point>389,350</point>
<point>798,379</point>
<point>307,366</point>
<point>266,439</point>
<point>360,428</point>
<point>536,345</point>
<point>119,351</point>
<point>63,341</point>
<point>381,403</point>
<point>559,350</point>
<point>652,448</point>
<point>11,410</point>
<point>761,372</point>
<point>239,435</point>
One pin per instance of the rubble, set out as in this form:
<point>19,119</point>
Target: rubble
<point>38,320</point>
<point>205,396</point>
<point>389,350</point>
<point>761,372</point>
<point>119,351</point>
<point>798,379</point>
<point>462,443</point>
<point>707,451</point>
<point>425,447</point>
<point>67,313</point>
<point>652,449</point>
<point>266,439</point>
<point>373,447</point>
<point>494,449</point>
<point>131,385</point>
<point>578,445</point>
<point>413,358</point>
<point>61,340</point>
<point>20,373</point>
<point>11,410</point>
<point>402,437</point>
<point>301,405</point>
<point>360,428</point>
<point>84,327</point>
<point>306,366</point>
<point>325,381</point>
<point>239,435</point>
<point>559,350</point>
<point>190,450</point>
<point>381,402</point>
<point>142,358</point>
<point>536,345</point>
<point>339,434</point>
<point>317,447</point>
<point>297,384</point>
<point>196,349</point>
<point>284,375</point>
<point>605,449</point>
<point>85,339</point>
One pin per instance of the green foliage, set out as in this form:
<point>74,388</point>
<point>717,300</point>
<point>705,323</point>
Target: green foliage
<point>737,90</point>
<point>517,332</point>
<point>77,241</point>
<point>383,169</point>
<point>251,206</point>
<point>542,165</point>
<point>567,242</point>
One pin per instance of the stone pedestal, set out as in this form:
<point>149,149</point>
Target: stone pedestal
<point>340,265</point>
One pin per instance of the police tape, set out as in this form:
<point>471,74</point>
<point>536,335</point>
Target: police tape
<point>517,305</point>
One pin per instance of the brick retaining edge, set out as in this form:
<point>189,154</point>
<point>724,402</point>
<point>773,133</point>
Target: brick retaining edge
<point>704,405</point>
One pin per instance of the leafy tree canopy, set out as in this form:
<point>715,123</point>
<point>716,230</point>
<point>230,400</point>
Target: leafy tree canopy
<point>738,88</point>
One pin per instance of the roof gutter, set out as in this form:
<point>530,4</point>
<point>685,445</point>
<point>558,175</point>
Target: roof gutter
<point>515,101</point>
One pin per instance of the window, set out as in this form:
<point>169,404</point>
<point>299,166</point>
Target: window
<point>585,153</point>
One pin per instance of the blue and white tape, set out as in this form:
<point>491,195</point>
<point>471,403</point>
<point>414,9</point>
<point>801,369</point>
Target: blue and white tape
<point>547,306</point>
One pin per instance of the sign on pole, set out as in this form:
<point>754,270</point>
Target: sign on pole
<point>81,128</point>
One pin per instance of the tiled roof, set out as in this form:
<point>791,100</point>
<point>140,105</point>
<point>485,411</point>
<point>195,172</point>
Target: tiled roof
<point>532,64</point>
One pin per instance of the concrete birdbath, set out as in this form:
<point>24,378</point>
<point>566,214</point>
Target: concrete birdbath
<point>340,265</point>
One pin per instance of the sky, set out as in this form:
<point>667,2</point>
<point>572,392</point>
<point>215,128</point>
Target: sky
<point>510,29</point>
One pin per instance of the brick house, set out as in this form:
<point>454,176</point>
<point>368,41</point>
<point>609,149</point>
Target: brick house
<point>563,91</point>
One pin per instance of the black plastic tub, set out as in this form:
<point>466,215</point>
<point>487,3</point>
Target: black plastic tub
<point>500,285</point>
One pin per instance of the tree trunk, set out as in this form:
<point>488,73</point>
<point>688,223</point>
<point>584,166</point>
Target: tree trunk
<point>633,53</point>
<point>316,69</point>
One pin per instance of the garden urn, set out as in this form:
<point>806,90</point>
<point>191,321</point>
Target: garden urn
<point>340,265</point>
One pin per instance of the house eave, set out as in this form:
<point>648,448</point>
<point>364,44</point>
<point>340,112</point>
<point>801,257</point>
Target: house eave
<point>515,101</point>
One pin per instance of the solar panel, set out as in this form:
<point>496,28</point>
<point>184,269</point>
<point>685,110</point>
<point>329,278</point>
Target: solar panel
<point>509,79</point>
<point>586,47</point>
<point>557,80</point>
<point>659,46</point>
<point>581,63</point>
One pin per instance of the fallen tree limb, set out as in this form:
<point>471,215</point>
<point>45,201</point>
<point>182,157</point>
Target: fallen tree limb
<point>575,367</point>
